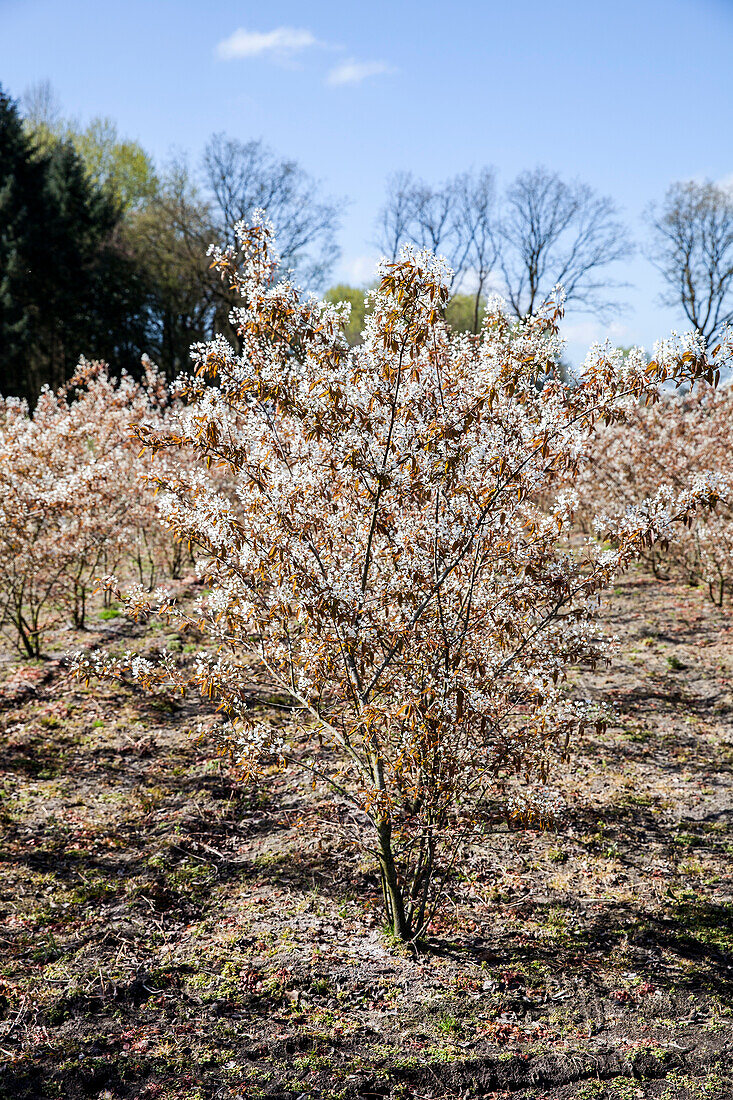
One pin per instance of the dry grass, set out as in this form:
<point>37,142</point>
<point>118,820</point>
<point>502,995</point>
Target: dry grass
<point>168,933</point>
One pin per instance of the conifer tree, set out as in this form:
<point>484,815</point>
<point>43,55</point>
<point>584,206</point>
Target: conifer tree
<point>22,176</point>
<point>67,285</point>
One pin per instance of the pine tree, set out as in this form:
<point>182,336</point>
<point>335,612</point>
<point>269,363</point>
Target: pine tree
<point>67,286</point>
<point>22,184</point>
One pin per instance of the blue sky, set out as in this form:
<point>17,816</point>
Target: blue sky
<point>626,96</point>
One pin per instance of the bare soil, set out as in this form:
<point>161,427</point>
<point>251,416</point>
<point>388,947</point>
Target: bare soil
<point>167,932</point>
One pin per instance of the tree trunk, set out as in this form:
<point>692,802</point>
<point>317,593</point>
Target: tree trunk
<point>394,902</point>
<point>421,884</point>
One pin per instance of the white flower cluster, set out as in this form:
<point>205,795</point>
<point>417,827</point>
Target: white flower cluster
<point>75,504</point>
<point>666,462</point>
<point>536,804</point>
<point>261,739</point>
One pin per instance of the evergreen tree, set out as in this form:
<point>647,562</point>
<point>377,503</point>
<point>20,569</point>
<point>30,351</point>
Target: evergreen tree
<point>68,286</point>
<point>95,301</point>
<point>22,183</point>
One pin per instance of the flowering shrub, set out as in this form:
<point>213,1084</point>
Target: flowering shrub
<point>670,443</point>
<point>72,505</point>
<point>392,542</point>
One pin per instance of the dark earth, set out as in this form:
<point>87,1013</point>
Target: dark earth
<point>168,931</point>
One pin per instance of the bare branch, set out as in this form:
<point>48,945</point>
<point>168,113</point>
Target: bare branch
<point>246,176</point>
<point>556,232</point>
<point>692,248</point>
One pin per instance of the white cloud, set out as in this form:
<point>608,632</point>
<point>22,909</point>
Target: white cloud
<point>353,72</point>
<point>283,41</point>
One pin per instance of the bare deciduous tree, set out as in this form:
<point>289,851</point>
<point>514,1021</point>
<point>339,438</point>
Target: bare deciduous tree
<point>434,224</point>
<point>395,217</point>
<point>169,238</point>
<point>40,106</point>
<point>478,225</point>
<point>455,219</point>
<point>417,213</point>
<point>557,232</point>
<point>693,249</point>
<point>246,176</point>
